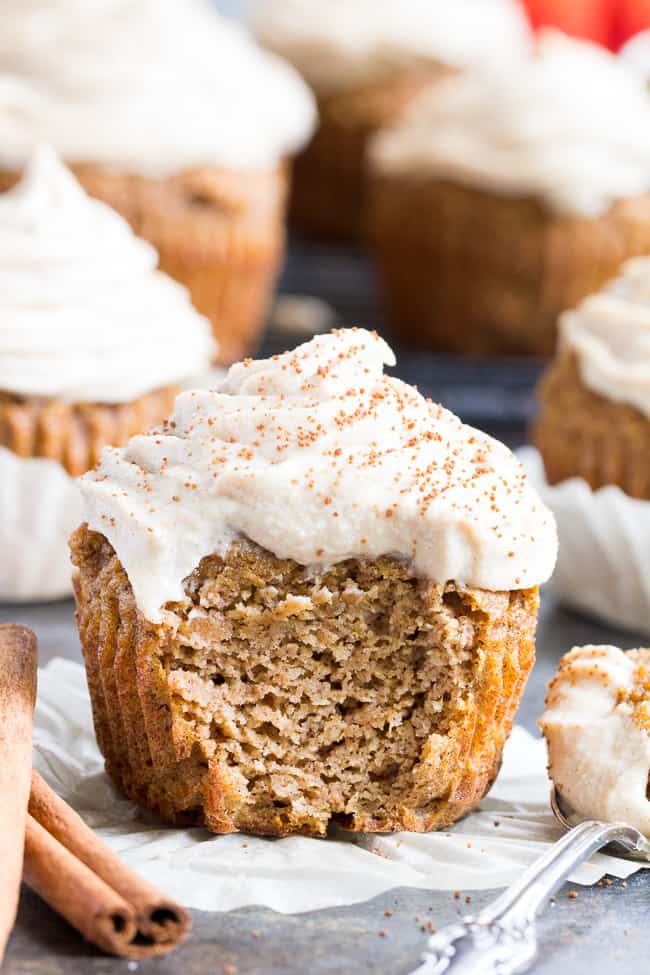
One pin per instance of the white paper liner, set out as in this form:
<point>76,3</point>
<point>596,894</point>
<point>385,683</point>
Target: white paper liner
<point>603,566</point>
<point>220,873</point>
<point>40,507</point>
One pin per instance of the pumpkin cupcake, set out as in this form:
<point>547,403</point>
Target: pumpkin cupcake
<point>506,197</point>
<point>94,345</point>
<point>593,438</point>
<point>366,60</point>
<point>308,599</point>
<point>176,119</point>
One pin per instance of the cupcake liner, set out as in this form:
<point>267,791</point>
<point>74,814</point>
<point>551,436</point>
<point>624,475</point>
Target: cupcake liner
<point>40,506</point>
<point>470,272</point>
<point>603,567</point>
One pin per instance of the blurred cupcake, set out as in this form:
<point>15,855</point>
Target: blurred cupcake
<point>593,436</point>
<point>506,197</point>
<point>366,60</point>
<point>174,117</point>
<point>94,344</point>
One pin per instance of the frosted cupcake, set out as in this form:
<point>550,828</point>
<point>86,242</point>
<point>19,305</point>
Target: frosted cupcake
<point>311,596</point>
<point>366,60</point>
<point>597,728</point>
<point>94,343</point>
<point>175,118</point>
<point>593,437</point>
<point>504,199</point>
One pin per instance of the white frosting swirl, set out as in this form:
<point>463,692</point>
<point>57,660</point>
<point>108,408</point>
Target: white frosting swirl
<point>317,456</point>
<point>570,126</point>
<point>150,86</point>
<point>609,333</point>
<point>636,54</point>
<point>597,727</point>
<point>343,43</point>
<point>84,314</point>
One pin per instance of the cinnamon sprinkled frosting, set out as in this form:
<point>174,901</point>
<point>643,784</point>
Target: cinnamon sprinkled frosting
<point>609,334</point>
<point>317,456</point>
<point>597,727</point>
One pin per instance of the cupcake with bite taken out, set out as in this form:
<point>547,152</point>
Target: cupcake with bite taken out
<point>309,597</point>
<point>94,346</point>
<point>177,119</point>
<point>366,61</point>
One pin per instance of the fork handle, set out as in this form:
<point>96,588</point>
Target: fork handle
<point>501,939</point>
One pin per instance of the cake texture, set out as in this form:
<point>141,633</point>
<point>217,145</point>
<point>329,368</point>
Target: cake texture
<point>486,225</point>
<point>594,420</point>
<point>189,138</point>
<point>271,648</point>
<point>597,728</point>
<point>366,61</point>
<point>95,345</point>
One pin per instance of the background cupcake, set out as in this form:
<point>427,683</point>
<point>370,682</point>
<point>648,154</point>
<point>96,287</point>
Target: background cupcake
<point>507,196</point>
<point>366,60</point>
<point>93,344</point>
<point>174,117</point>
<point>593,435</point>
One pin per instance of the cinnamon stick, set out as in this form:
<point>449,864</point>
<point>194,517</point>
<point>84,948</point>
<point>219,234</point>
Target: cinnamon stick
<point>18,662</point>
<point>160,924</point>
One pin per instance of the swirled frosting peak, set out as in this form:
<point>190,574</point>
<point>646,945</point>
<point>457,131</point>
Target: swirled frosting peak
<point>597,727</point>
<point>151,86</point>
<point>84,314</point>
<point>609,333</point>
<point>569,126</point>
<point>317,456</point>
<point>344,43</point>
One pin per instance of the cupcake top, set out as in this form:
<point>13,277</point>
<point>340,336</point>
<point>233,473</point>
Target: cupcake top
<point>609,334</point>
<point>569,126</point>
<point>317,456</point>
<point>85,316</point>
<point>597,727</point>
<point>150,86</point>
<point>346,43</point>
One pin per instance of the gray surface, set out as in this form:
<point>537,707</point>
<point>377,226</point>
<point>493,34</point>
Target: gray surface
<point>583,936</point>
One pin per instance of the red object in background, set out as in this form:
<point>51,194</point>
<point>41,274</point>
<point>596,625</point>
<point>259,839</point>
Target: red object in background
<point>591,19</point>
<point>630,17</point>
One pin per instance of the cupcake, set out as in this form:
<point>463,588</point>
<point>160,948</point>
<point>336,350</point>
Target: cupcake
<point>593,440</point>
<point>366,60</point>
<point>310,596</point>
<point>505,197</point>
<point>597,728</point>
<point>595,397</point>
<point>93,346</point>
<point>176,119</point>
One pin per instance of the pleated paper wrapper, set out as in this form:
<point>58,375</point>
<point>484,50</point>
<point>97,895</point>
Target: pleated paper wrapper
<point>603,566</point>
<point>40,506</point>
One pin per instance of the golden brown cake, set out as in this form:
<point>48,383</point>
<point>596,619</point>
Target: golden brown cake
<point>190,141</point>
<point>581,433</point>
<point>501,199</point>
<point>594,420</point>
<point>273,700</point>
<point>272,632</point>
<point>366,63</point>
<point>94,346</point>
